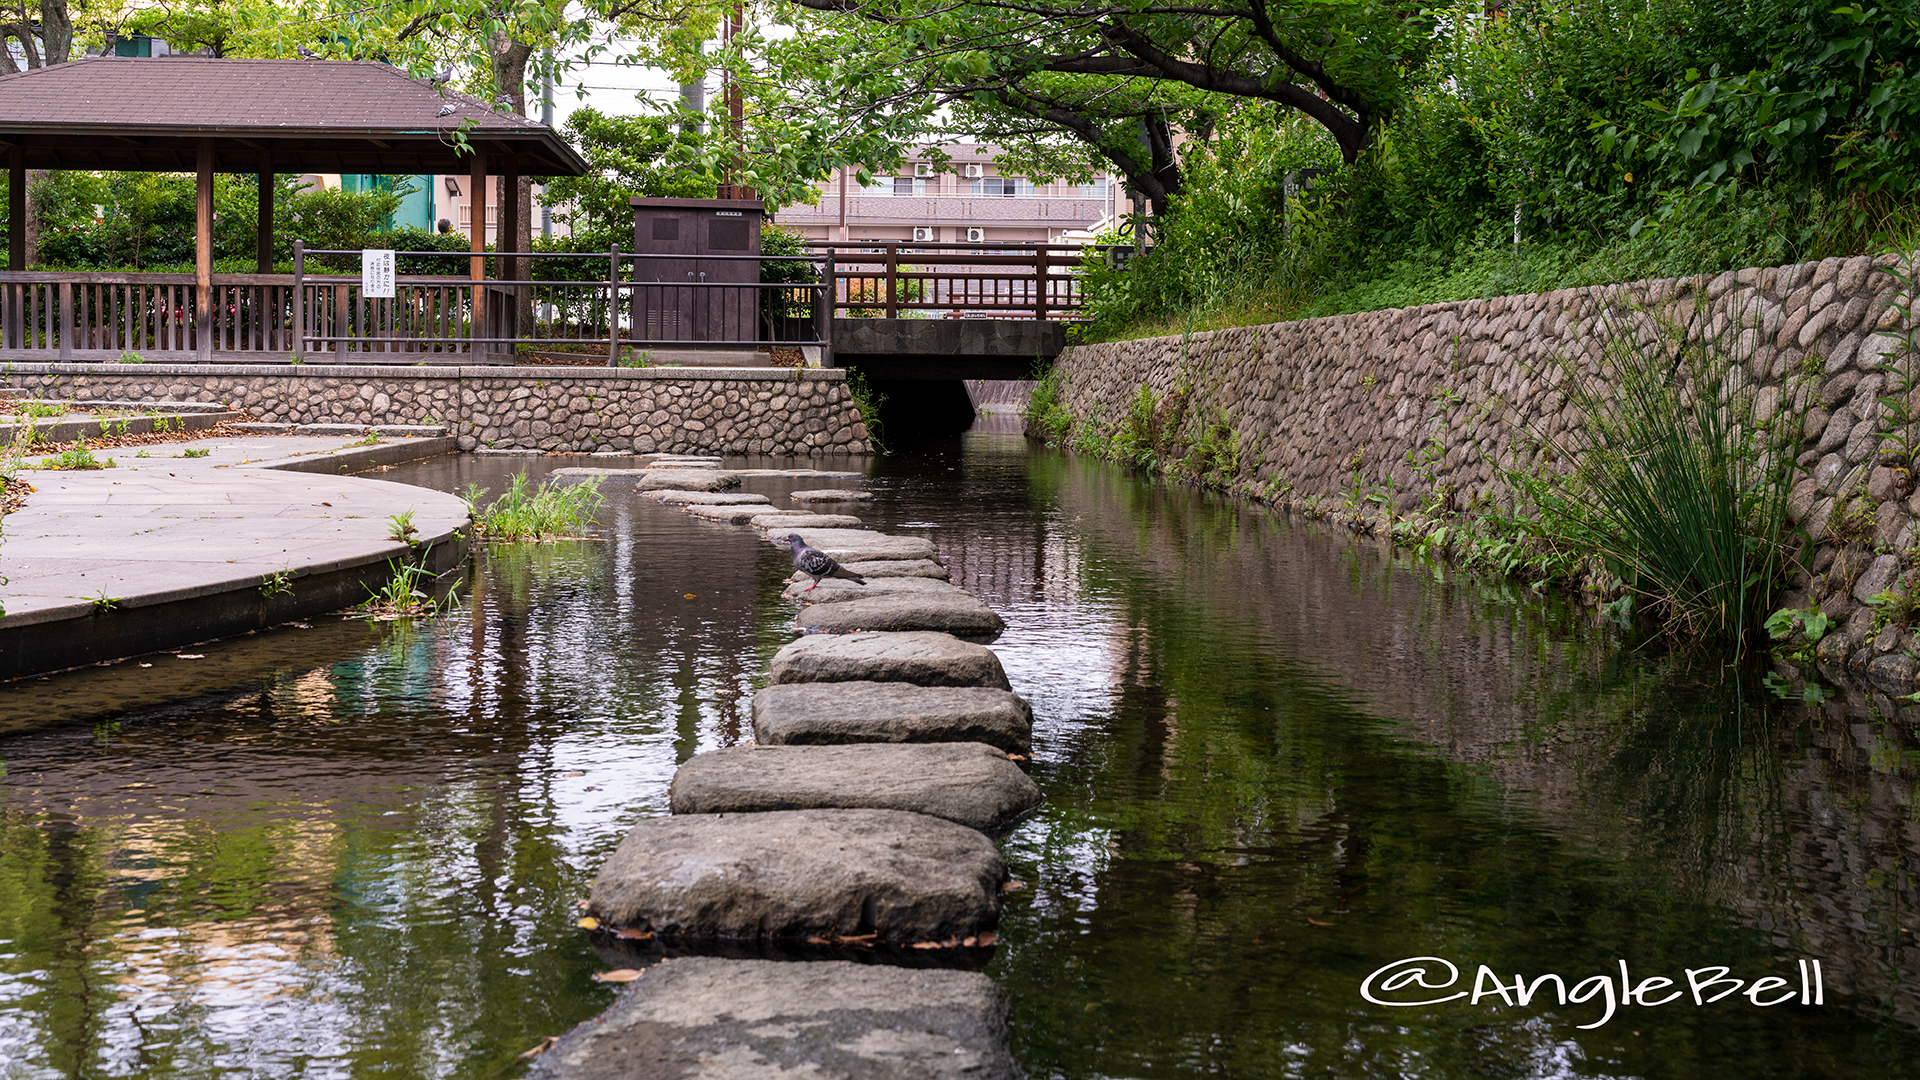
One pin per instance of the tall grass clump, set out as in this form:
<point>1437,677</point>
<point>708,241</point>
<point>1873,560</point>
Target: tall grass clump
<point>527,512</point>
<point>1678,485</point>
<point>1045,412</point>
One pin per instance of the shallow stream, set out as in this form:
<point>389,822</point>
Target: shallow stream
<point>1276,761</point>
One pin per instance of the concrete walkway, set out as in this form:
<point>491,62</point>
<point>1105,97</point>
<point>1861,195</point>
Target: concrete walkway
<point>167,550</point>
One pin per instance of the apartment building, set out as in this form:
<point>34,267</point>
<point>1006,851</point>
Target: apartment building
<point>968,200</point>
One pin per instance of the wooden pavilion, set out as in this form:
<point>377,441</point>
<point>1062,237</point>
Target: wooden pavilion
<point>206,115</point>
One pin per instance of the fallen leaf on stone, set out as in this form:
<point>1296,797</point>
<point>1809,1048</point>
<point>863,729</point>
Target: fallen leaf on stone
<point>146,665</point>
<point>1017,757</point>
<point>618,975</point>
<point>1012,886</point>
<point>581,904</point>
<point>588,923</point>
<point>633,935</point>
<point>857,939</point>
<point>924,945</point>
<point>191,655</point>
<point>546,1044</point>
<point>989,938</point>
<point>1317,922</point>
<point>689,596</point>
<point>970,941</point>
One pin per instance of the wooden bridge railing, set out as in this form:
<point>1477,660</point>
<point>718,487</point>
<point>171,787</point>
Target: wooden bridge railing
<point>1029,281</point>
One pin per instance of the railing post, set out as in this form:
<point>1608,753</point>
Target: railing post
<point>66,320</point>
<point>1040,282</point>
<point>299,302</point>
<point>613,306</point>
<point>341,324</point>
<point>823,314</point>
<point>893,281</point>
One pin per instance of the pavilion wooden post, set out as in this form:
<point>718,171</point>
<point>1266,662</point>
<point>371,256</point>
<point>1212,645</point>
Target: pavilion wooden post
<point>203,249</point>
<point>263,234</point>
<point>16,207</point>
<point>477,241</point>
<point>507,238</point>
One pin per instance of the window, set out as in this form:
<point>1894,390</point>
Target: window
<point>1001,185</point>
<point>909,185</point>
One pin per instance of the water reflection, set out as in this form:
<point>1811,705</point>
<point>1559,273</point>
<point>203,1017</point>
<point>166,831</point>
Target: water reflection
<point>1275,760</point>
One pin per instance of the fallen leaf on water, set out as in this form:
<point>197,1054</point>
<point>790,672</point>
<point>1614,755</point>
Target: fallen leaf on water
<point>191,655</point>
<point>1317,922</point>
<point>924,945</point>
<point>588,923</point>
<point>581,904</point>
<point>989,938</point>
<point>633,935</point>
<point>970,941</point>
<point>146,665</point>
<point>617,975</point>
<point>573,774</point>
<point>546,1044</point>
<point>818,941</point>
<point>689,596</point>
<point>1012,886</point>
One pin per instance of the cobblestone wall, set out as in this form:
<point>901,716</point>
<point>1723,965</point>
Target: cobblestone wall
<point>645,410</point>
<point>1445,398</point>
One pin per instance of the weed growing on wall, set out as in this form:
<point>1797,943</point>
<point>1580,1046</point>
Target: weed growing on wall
<point>1045,412</point>
<point>867,402</point>
<point>1677,486</point>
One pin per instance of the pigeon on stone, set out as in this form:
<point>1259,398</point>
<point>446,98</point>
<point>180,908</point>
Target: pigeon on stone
<point>446,110</point>
<point>306,53</point>
<point>817,564</point>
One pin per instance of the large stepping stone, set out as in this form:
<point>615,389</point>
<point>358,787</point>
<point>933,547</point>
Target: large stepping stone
<point>889,568</point>
<point>859,545</point>
<point>837,590</point>
<point>923,659</point>
<point>970,784</point>
<point>829,495</point>
<point>675,461</point>
<point>800,519</point>
<point>700,1017</point>
<point>801,873</point>
<point>736,514</point>
<point>610,478</point>
<point>687,480</point>
<point>707,498</point>
<point>802,474</point>
<point>961,615</point>
<point>826,714</point>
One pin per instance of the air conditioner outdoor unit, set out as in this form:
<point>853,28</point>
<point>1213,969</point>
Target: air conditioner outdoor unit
<point>975,172</point>
<point>975,236</point>
<point>922,168</point>
<point>923,234</point>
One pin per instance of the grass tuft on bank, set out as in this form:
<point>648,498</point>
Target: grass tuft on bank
<point>525,511</point>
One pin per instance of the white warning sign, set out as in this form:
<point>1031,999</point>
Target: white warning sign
<point>376,273</point>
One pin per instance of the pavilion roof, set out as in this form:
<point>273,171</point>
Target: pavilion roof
<point>149,114</point>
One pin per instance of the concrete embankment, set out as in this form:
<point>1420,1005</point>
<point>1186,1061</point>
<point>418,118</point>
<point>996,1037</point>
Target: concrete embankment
<point>1430,408</point>
<point>168,549</point>
<point>859,831</point>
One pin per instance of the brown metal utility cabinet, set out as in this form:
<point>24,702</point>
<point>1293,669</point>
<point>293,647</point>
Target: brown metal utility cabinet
<point>675,299</point>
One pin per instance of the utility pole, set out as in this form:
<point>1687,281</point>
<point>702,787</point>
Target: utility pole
<point>736,110</point>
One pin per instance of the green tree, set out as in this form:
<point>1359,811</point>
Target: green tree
<point>629,155</point>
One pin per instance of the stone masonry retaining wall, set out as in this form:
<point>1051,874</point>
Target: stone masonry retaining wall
<point>1448,396</point>
<point>644,410</point>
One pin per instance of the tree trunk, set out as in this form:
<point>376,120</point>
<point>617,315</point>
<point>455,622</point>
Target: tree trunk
<point>508,59</point>
<point>35,177</point>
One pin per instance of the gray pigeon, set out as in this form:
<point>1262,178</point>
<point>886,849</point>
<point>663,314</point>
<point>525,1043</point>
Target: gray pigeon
<point>306,53</point>
<point>817,564</point>
<point>446,110</point>
<point>441,79</point>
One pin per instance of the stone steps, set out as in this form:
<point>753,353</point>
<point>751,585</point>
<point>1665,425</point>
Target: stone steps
<point>857,826</point>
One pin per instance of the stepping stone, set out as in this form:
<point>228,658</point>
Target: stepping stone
<point>735,514</point>
<point>967,783</point>
<point>800,519</point>
<point>803,474</point>
<point>924,659</point>
<point>699,1016</point>
<point>674,461</point>
<point>860,545</point>
<point>890,568</point>
<point>837,590</point>
<point>830,495</point>
<point>706,498</point>
<point>687,480</point>
<point>801,873</point>
<point>823,714</point>
<point>610,478</point>
<point>963,616</point>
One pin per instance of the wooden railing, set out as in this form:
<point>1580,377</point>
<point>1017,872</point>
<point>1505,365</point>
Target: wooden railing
<point>600,303</point>
<point>1033,281</point>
